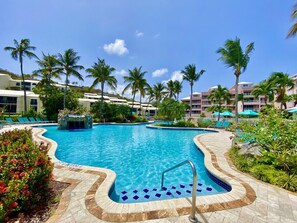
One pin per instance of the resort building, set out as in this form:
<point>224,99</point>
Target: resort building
<point>200,101</point>
<point>12,98</point>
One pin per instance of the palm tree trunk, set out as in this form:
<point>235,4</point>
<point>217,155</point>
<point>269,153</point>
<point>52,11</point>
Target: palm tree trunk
<point>236,99</point>
<point>101,104</point>
<point>219,112</point>
<point>65,91</point>
<point>24,86</point>
<point>132,103</point>
<point>140,105</point>
<point>242,105</point>
<point>147,107</point>
<point>191,100</point>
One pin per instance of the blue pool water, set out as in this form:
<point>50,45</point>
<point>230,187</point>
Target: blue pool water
<point>138,155</point>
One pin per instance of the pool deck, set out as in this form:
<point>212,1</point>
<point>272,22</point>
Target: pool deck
<point>86,199</point>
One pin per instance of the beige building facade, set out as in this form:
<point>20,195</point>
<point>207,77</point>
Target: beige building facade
<point>12,98</point>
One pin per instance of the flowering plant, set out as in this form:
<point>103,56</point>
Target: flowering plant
<point>25,171</point>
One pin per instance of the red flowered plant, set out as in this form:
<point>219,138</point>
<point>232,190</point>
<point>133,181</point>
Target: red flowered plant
<point>25,171</point>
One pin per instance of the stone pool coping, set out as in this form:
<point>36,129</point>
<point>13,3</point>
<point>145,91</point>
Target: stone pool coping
<point>99,204</point>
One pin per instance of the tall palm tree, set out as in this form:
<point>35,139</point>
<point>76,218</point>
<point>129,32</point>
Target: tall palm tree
<point>293,29</point>
<point>177,88</point>
<point>135,80</point>
<point>143,85</point>
<point>281,81</point>
<point>190,75</point>
<point>18,52</point>
<point>219,96</point>
<point>265,89</point>
<point>159,92</point>
<point>241,98</point>
<point>233,56</point>
<point>48,69</point>
<point>102,74</point>
<point>171,89</point>
<point>151,95</point>
<point>68,62</point>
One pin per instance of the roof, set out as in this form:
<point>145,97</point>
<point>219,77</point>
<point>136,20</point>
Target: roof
<point>186,98</point>
<point>245,82</point>
<point>12,93</point>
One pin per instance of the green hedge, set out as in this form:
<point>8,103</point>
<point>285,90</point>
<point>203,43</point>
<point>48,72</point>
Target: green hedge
<point>266,172</point>
<point>24,174</point>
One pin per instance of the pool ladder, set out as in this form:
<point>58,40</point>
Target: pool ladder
<point>192,216</point>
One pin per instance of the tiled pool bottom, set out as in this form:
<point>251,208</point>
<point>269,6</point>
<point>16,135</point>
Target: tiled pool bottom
<point>167,192</point>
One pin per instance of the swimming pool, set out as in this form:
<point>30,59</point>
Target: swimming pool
<point>138,155</point>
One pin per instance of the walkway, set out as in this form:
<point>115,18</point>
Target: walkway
<point>79,202</point>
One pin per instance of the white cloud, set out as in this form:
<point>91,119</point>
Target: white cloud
<point>139,34</point>
<point>175,76</point>
<point>121,72</point>
<point>118,47</point>
<point>159,72</point>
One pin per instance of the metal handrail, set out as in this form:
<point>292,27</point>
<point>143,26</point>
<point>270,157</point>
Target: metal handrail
<point>192,217</point>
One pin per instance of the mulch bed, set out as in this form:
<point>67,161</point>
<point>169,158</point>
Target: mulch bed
<point>45,208</point>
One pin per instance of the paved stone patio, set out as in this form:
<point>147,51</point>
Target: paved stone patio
<point>79,201</point>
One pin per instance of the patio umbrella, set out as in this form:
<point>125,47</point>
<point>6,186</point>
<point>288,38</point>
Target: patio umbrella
<point>249,113</point>
<point>217,114</point>
<point>293,110</point>
<point>227,113</point>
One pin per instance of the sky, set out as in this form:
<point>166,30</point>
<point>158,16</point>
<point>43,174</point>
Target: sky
<point>162,36</point>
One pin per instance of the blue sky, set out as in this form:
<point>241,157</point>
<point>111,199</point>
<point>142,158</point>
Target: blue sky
<point>162,36</point>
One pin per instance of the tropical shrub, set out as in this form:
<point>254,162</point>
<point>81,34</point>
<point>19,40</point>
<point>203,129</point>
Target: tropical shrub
<point>277,139</point>
<point>263,169</point>
<point>25,171</point>
<point>178,124</point>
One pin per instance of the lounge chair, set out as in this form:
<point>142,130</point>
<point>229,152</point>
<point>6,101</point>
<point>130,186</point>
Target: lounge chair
<point>26,120</point>
<point>39,120</point>
<point>31,119</point>
<point>46,120</point>
<point>10,121</point>
<point>218,124</point>
<point>226,124</point>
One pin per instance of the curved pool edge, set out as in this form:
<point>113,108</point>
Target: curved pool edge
<point>99,204</point>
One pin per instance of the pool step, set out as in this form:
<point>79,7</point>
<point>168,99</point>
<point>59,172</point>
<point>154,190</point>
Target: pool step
<point>152,194</point>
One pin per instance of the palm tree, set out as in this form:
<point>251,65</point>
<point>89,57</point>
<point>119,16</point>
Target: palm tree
<point>233,56</point>
<point>48,69</point>
<point>190,75</point>
<point>68,62</point>
<point>151,95</point>
<point>143,85</point>
<point>171,89</point>
<point>102,73</point>
<point>159,92</point>
<point>241,98</point>
<point>135,82</point>
<point>281,81</point>
<point>293,29</point>
<point>177,88</point>
<point>219,95</point>
<point>265,89</point>
<point>18,52</point>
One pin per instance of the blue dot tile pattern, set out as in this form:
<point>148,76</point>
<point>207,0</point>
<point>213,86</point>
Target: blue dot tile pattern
<point>168,192</point>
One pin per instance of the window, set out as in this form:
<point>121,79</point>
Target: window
<point>33,104</point>
<point>9,103</point>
